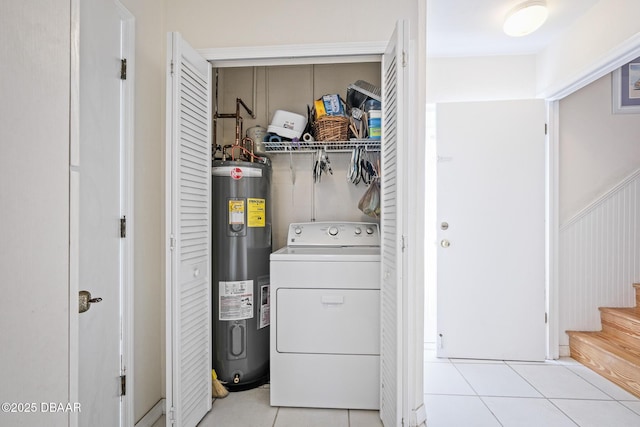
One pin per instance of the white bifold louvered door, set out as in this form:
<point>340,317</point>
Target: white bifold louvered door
<point>188,234</point>
<point>394,134</point>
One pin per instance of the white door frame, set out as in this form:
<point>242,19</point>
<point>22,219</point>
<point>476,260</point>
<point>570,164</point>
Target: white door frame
<point>127,194</point>
<point>126,190</point>
<point>623,53</point>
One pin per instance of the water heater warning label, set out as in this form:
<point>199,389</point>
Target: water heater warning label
<point>236,300</point>
<point>236,211</point>
<point>256,213</point>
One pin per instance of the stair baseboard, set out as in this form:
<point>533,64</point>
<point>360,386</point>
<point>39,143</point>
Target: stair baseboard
<point>608,357</point>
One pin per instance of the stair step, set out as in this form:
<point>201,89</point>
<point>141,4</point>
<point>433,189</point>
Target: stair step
<point>609,357</point>
<point>637,286</point>
<point>623,322</point>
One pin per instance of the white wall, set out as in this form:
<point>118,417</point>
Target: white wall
<point>597,148</point>
<point>282,22</point>
<point>489,78</point>
<point>34,207</point>
<point>591,40</point>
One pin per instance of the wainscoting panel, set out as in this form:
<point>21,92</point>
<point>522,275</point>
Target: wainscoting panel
<point>600,257</point>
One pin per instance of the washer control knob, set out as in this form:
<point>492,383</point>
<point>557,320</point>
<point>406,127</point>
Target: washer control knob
<point>369,230</point>
<point>297,230</point>
<point>358,231</point>
<point>333,231</point>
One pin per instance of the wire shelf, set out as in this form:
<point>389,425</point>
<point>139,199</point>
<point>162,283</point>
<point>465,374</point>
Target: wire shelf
<point>309,147</point>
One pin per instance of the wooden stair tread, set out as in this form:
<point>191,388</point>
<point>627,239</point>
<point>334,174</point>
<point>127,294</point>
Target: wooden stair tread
<point>622,322</point>
<point>608,358</point>
<point>613,352</point>
<point>614,346</point>
<point>631,314</point>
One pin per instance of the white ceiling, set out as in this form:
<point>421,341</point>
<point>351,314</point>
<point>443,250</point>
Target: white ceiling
<point>474,27</point>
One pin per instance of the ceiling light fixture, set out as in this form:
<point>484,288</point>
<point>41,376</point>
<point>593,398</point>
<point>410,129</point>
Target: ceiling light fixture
<point>525,18</point>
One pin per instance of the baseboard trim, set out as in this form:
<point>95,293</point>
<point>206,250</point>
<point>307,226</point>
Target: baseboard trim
<point>154,414</point>
<point>565,351</point>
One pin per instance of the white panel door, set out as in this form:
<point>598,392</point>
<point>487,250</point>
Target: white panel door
<point>188,235</point>
<point>394,133</point>
<point>491,236</point>
<point>101,206</point>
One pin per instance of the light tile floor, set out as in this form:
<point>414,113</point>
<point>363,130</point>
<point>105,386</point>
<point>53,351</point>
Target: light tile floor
<point>479,393</point>
<point>464,393</point>
<point>251,409</point>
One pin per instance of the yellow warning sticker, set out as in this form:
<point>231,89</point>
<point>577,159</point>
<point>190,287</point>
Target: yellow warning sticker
<point>236,211</point>
<point>256,213</point>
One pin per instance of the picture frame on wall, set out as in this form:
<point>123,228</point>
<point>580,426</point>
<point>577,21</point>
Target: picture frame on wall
<point>626,88</point>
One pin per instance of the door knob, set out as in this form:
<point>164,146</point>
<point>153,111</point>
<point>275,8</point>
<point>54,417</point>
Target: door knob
<point>85,301</point>
<point>445,243</point>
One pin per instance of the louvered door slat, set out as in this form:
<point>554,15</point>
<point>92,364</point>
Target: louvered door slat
<point>189,387</point>
<point>391,225</point>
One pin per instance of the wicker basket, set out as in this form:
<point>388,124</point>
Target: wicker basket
<point>331,128</point>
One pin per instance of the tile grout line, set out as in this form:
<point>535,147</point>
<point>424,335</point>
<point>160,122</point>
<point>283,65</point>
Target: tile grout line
<point>565,414</point>
<point>489,409</point>
<point>275,419</point>
<point>464,378</point>
<point>478,395</point>
<point>587,380</point>
<point>548,399</point>
<point>526,380</point>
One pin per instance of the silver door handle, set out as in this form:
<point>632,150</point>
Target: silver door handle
<point>85,301</point>
<point>445,243</point>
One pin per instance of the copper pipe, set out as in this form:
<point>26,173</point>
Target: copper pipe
<point>253,146</point>
<point>238,117</point>
<point>224,151</point>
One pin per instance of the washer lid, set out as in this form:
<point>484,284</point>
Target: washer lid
<point>328,253</point>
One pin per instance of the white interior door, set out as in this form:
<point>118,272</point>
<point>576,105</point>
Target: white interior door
<point>102,190</point>
<point>491,235</point>
<point>188,234</point>
<point>394,134</point>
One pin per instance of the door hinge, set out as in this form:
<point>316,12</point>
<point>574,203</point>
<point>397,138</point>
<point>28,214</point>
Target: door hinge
<point>171,67</point>
<point>123,69</point>
<point>546,129</point>
<point>172,415</point>
<point>404,59</point>
<point>403,243</point>
<point>123,385</point>
<point>172,242</point>
<point>123,227</point>
<point>546,318</point>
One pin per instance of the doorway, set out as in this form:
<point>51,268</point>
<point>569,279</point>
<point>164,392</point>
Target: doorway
<point>397,378</point>
<point>589,74</point>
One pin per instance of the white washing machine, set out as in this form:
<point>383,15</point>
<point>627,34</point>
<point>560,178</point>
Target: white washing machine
<point>325,317</point>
